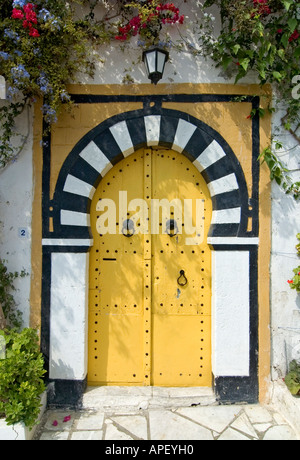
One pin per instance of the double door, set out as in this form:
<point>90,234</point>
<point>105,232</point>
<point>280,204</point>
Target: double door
<point>150,274</point>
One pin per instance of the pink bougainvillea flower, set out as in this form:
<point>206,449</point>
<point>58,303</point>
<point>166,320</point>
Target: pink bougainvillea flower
<point>34,32</point>
<point>67,418</point>
<point>295,35</point>
<point>55,423</point>
<point>29,7</point>
<point>17,14</point>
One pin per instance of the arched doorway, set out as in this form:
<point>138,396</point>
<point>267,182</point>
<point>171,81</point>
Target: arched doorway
<point>233,237</point>
<point>150,274</point>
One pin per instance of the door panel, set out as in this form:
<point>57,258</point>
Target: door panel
<point>116,285</point>
<point>150,294</point>
<point>181,349</point>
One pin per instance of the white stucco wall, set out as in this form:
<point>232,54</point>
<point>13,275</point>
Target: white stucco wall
<point>16,194</point>
<point>285,303</point>
<point>16,185</point>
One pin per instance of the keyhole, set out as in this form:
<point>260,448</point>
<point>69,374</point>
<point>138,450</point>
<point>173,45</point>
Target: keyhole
<point>128,228</point>
<point>171,228</point>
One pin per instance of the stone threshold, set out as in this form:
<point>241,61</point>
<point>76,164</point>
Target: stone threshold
<point>143,398</point>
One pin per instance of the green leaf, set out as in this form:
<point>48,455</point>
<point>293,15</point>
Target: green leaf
<point>287,4</point>
<point>297,52</point>
<point>277,75</point>
<point>292,23</point>
<point>236,49</point>
<point>245,63</point>
<point>285,40</point>
<point>281,54</point>
<point>293,383</point>
<point>226,60</point>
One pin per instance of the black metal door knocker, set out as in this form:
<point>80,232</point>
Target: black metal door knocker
<point>128,228</point>
<point>182,280</point>
<point>172,228</point>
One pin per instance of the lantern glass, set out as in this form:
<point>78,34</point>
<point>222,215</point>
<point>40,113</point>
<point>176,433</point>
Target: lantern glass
<point>161,61</point>
<point>155,60</point>
<point>151,62</point>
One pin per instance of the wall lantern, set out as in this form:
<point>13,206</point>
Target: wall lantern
<point>155,60</point>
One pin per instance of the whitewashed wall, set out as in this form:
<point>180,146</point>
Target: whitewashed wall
<point>285,303</point>
<point>16,186</point>
<point>16,195</point>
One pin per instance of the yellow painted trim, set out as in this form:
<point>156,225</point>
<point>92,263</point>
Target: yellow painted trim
<point>264,269</point>
<point>36,250</point>
<point>174,88</point>
<point>112,109</point>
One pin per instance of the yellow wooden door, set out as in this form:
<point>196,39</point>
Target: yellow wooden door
<point>150,274</point>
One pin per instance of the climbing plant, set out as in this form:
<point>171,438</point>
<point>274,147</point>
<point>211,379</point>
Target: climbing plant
<point>295,281</point>
<point>263,36</point>
<point>45,44</point>
<point>9,313</point>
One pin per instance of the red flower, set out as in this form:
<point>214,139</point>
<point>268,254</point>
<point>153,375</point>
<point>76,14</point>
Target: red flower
<point>295,35</point>
<point>290,281</point>
<point>263,7</point>
<point>121,37</point>
<point>17,14</point>
<point>29,7</point>
<point>34,32</point>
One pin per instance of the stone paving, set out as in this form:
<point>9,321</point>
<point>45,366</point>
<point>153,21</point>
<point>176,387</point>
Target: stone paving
<point>161,422</point>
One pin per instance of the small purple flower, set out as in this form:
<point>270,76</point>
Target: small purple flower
<point>19,72</point>
<point>12,91</point>
<point>65,97</point>
<point>44,84</point>
<point>49,114</point>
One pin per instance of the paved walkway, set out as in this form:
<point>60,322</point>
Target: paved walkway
<point>162,417</point>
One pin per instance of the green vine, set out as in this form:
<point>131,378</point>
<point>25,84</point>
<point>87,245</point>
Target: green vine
<point>295,281</point>
<point>292,379</point>
<point>46,44</point>
<point>278,172</point>
<point>12,315</point>
<point>263,36</point>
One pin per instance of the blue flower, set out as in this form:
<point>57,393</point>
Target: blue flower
<point>55,25</point>
<point>12,35</point>
<point>45,15</point>
<point>49,113</point>
<point>11,92</point>
<point>44,84</point>
<point>4,56</point>
<point>19,3</point>
<point>19,72</point>
<point>65,97</point>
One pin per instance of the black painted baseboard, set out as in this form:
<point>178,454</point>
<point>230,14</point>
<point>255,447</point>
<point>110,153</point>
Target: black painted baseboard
<point>65,393</point>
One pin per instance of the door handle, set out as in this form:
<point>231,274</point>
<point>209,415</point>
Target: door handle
<point>182,280</point>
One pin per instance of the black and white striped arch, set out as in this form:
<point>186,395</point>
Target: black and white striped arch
<point>111,141</point>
